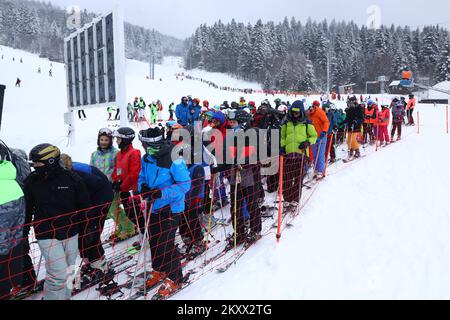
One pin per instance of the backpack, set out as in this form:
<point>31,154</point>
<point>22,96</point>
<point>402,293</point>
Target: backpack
<point>397,113</point>
<point>19,159</point>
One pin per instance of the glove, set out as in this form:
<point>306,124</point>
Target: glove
<point>304,145</point>
<point>117,186</point>
<point>145,189</point>
<point>155,194</point>
<point>323,135</point>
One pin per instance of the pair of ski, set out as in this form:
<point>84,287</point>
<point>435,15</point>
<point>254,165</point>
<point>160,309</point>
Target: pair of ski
<point>243,249</point>
<point>351,159</point>
<point>185,282</point>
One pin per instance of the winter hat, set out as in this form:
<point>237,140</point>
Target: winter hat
<point>219,116</point>
<point>316,103</point>
<point>298,106</point>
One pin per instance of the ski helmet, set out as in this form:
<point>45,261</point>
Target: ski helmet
<point>105,132</point>
<point>240,116</point>
<point>151,136</point>
<point>126,134</point>
<point>45,153</point>
<point>234,105</point>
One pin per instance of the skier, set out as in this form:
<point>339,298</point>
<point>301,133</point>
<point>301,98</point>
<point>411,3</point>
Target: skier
<point>125,179</point>
<point>92,224</point>
<point>130,112</point>
<point>12,219</point>
<point>18,82</point>
<point>165,183</point>
<point>110,110</point>
<point>39,70</point>
<point>55,201</point>
<point>354,119</point>
<point>243,185</point>
<point>370,120</point>
<point>398,114</point>
<point>104,158</point>
<point>16,268</point>
<point>297,135</point>
<point>321,123</point>
<point>171,111</point>
<point>383,123</point>
<point>190,226</point>
<point>153,112</point>
<point>410,109</point>
<point>183,113</point>
<point>331,135</point>
<point>141,107</point>
<point>160,110</point>
<point>195,111</point>
<point>50,73</point>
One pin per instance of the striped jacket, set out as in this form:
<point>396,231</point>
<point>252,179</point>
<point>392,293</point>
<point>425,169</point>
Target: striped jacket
<point>105,161</point>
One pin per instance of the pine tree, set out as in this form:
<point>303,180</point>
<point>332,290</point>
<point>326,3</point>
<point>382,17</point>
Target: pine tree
<point>443,66</point>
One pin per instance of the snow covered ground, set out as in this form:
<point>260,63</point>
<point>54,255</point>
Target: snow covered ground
<point>374,229</point>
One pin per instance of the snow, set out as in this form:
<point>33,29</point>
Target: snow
<point>374,229</point>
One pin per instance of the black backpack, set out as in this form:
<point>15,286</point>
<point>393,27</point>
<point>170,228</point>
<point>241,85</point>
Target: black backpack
<point>19,159</point>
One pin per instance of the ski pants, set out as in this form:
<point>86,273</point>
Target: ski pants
<point>250,194</point>
<point>165,255</point>
<point>60,258</point>
<point>81,113</point>
<point>89,240</point>
<point>383,134</point>
<point>293,174</point>
<point>16,269</point>
<point>272,183</point>
<point>396,127</point>
<point>319,150</point>
<point>190,225</point>
<point>171,114</point>
<point>368,133</point>
<point>220,190</point>
<point>352,143</point>
<point>410,113</point>
<point>141,113</point>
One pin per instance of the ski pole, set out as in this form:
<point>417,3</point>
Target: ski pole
<point>210,212</point>
<point>280,198</point>
<point>221,207</point>
<point>143,248</point>
<point>235,209</point>
<point>136,216</point>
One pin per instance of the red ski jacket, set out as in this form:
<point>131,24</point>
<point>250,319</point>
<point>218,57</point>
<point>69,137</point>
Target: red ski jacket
<point>127,169</point>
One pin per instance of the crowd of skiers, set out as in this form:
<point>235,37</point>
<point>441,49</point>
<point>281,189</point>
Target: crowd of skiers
<point>67,203</point>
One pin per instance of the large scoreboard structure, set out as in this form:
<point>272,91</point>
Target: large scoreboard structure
<point>95,66</point>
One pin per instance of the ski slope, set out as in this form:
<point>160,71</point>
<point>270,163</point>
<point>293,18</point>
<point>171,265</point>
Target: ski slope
<point>375,229</point>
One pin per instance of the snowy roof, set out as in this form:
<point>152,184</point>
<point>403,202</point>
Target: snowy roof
<point>439,95</point>
<point>395,83</point>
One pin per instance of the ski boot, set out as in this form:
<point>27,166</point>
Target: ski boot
<point>357,154</point>
<point>197,250</point>
<point>252,238</point>
<point>167,289</point>
<point>154,279</point>
<point>100,265</point>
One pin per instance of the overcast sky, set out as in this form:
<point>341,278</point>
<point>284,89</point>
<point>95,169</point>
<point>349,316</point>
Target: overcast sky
<point>180,18</point>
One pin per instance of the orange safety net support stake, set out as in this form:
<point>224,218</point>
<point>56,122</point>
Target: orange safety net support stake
<point>330,143</point>
<point>280,198</point>
<point>418,122</point>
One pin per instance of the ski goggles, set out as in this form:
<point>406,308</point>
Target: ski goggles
<point>150,141</point>
<point>123,136</point>
<point>106,131</point>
